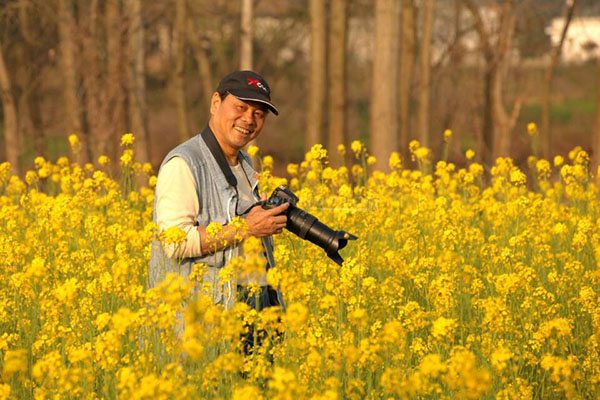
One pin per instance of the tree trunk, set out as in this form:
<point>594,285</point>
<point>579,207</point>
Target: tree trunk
<point>115,87</point>
<point>384,99</point>
<point>39,135</point>
<point>545,128</point>
<point>200,45</point>
<point>72,105</point>
<point>31,73</point>
<point>503,123</point>
<point>337,79</point>
<point>246,50</point>
<point>246,36</point>
<point>136,90</point>
<point>407,57</point>
<point>11,129</point>
<point>425,72</point>
<point>486,148</point>
<point>596,135</point>
<point>178,81</point>
<point>95,91</point>
<point>317,74</point>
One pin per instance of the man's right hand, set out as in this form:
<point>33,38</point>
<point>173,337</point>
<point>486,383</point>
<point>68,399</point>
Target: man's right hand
<point>263,222</point>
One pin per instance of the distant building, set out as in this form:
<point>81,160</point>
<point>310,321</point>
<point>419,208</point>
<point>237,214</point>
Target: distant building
<point>582,42</point>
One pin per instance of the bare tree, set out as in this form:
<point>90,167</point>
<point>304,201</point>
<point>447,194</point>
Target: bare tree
<point>136,89</point>
<point>545,128</point>
<point>384,99</point>
<point>407,56</point>
<point>495,46</point>
<point>317,74</point>
<point>178,81</point>
<point>337,78</point>
<point>425,73</point>
<point>11,130</point>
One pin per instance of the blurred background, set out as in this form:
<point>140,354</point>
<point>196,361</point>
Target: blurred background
<point>384,72</point>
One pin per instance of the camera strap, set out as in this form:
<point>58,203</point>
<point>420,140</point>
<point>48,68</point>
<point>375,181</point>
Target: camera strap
<point>214,147</point>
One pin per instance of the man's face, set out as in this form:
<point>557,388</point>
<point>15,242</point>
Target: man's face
<point>236,122</point>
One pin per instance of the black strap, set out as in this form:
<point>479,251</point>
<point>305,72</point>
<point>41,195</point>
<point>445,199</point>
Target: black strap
<point>214,147</point>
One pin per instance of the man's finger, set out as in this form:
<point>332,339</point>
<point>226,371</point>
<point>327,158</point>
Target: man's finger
<point>280,219</point>
<point>278,209</point>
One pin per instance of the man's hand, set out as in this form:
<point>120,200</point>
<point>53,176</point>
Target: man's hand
<point>263,222</point>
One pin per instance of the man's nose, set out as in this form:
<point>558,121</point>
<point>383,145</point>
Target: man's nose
<point>248,117</point>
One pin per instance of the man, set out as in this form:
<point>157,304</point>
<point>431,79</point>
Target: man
<point>210,179</point>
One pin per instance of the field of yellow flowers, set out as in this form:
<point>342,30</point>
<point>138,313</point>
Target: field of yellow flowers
<point>464,284</point>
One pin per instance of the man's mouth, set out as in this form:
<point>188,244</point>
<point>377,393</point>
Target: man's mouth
<point>243,130</point>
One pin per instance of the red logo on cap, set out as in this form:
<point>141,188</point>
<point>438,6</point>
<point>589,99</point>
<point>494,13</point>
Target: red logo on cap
<point>257,83</point>
<point>252,82</point>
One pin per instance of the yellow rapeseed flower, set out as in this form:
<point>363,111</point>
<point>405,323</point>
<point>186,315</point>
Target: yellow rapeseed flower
<point>73,140</point>
<point>447,135</point>
<point>15,362</point>
<point>127,139</point>
<point>558,161</point>
<point>356,147</point>
<point>292,169</point>
<point>318,152</point>
<point>296,316</point>
<point>127,158</point>
<point>175,235</point>
<point>532,129</point>
<point>252,150</point>
<point>395,162</point>
<point>103,160</point>
<point>267,162</point>
<point>422,154</point>
<point>443,328</point>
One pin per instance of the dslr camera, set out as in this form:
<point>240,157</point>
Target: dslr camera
<point>307,226</point>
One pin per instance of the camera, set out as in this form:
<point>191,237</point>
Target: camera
<point>307,226</point>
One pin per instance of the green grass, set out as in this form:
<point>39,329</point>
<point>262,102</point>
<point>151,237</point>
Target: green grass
<point>561,113</point>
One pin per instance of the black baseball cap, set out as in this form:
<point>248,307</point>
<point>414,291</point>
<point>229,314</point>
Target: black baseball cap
<point>248,86</point>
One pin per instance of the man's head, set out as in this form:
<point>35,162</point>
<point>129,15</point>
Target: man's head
<point>238,109</point>
<point>248,86</point>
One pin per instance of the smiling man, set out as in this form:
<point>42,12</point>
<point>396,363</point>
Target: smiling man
<point>210,179</point>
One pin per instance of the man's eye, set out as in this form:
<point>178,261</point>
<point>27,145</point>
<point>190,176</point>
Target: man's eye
<point>259,114</point>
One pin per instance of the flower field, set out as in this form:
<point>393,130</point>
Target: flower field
<point>463,284</point>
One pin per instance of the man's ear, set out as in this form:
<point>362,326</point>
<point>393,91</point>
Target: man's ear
<point>215,102</point>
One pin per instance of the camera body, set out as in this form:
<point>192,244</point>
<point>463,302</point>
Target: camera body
<point>280,196</point>
<point>307,226</point>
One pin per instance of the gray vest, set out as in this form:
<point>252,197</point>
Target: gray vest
<point>217,202</point>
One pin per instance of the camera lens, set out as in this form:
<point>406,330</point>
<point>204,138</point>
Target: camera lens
<point>308,227</point>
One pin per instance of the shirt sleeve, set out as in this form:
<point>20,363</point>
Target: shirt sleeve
<point>177,205</point>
